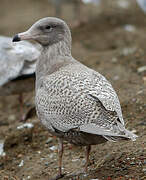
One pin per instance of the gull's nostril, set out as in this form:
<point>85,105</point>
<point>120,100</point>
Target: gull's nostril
<point>16,38</point>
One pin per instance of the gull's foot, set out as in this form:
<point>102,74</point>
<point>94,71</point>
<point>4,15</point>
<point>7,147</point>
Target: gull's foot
<point>59,176</point>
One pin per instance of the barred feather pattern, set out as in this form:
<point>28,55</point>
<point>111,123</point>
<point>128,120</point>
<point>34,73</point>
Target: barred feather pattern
<point>75,102</point>
<point>74,96</point>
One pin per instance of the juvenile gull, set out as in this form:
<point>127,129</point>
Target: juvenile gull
<point>74,102</point>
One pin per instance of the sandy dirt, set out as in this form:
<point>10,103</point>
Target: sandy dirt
<point>112,42</point>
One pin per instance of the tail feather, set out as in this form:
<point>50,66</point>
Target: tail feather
<point>115,138</point>
<point>118,133</point>
<point>128,136</point>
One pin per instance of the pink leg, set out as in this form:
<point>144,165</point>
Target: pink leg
<point>22,118</point>
<point>88,149</point>
<point>60,153</point>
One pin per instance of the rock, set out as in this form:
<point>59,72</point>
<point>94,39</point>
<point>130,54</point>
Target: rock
<point>141,69</point>
<point>142,4</point>
<point>2,153</point>
<point>21,163</point>
<point>95,2</point>
<point>132,163</point>
<point>116,78</point>
<point>25,125</point>
<point>114,60</point>
<point>53,148</point>
<point>49,140</point>
<point>12,117</point>
<point>124,4</point>
<point>128,51</point>
<point>47,163</point>
<point>129,28</point>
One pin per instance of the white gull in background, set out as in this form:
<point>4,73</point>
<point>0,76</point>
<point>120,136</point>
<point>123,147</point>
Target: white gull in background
<point>17,67</point>
<point>142,4</point>
<point>16,60</point>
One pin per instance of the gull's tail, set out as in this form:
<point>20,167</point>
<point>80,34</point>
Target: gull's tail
<point>123,134</point>
<point>117,133</point>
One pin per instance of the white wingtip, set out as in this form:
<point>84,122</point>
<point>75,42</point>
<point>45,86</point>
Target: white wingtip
<point>131,135</point>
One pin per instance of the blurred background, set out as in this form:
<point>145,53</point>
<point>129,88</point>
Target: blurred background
<point>108,36</point>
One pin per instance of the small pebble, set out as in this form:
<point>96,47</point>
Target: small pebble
<point>21,163</point>
<point>140,92</point>
<point>19,155</point>
<point>49,140</point>
<point>53,148</point>
<point>132,163</point>
<point>2,153</point>
<point>115,78</point>
<point>74,160</point>
<point>141,69</point>
<point>129,28</point>
<point>25,125</point>
<point>114,60</point>
<point>12,117</point>
<point>51,155</point>
<point>95,2</point>
<point>123,4</point>
<point>47,163</point>
<point>128,50</point>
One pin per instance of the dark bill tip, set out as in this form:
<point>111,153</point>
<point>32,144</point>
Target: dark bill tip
<point>16,38</point>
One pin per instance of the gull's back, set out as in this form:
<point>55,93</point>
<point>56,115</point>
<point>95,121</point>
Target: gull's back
<point>76,97</point>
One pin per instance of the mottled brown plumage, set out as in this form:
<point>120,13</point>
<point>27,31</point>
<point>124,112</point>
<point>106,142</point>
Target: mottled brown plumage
<point>74,102</point>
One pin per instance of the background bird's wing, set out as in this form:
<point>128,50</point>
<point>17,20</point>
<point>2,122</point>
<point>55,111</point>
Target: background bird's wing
<point>16,59</point>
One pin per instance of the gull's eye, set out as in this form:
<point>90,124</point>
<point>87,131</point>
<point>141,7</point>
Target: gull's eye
<point>48,27</point>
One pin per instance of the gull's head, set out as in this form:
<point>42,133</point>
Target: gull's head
<point>46,31</point>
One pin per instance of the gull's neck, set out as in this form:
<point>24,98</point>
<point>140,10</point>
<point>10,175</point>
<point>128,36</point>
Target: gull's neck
<point>51,59</point>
